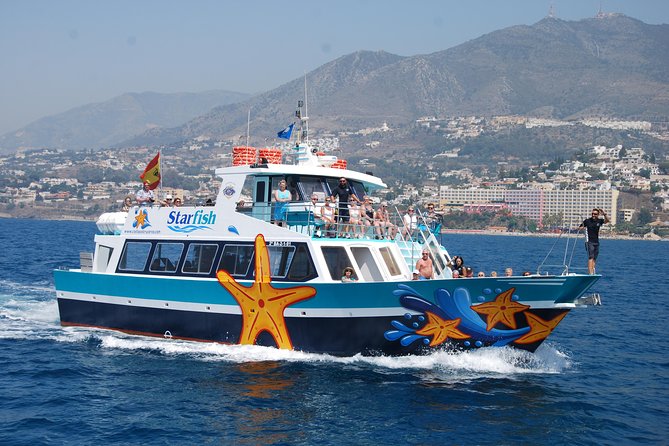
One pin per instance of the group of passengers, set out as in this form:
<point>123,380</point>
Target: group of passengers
<point>351,220</point>
<point>146,197</point>
<point>343,214</point>
<point>458,270</point>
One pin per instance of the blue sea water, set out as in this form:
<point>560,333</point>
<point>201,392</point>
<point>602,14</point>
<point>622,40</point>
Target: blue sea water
<point>602,378</point>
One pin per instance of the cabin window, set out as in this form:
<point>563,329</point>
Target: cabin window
<point>368,267</point>
<point>302,267</point>
<point>387,256</point>
<point>291,185</point>
<point>356,186</point>
<point>166,257</point>
<point>312,185</point>
<point>336,259</point>
<point>236,259</point>
<point>199,258</point>
<point>102,259</point>
<point>134,256</point>
<point>280,258</point>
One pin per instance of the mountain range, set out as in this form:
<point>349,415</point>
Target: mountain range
<point>611,66</point>
<point>109,123</point>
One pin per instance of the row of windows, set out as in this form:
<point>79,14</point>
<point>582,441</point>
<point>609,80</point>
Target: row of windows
<point>291,263</point>
<point>287,263</point>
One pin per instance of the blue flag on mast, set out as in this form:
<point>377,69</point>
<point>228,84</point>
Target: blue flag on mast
<point>285,133</point>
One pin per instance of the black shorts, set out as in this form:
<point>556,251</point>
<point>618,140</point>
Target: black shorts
<point>592,249</point>
<point>343,215</point>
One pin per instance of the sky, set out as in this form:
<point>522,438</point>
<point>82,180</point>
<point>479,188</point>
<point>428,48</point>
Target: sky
<point>57,55</point>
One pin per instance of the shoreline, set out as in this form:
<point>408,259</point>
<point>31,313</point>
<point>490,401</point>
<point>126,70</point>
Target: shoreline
<point>605,236</point>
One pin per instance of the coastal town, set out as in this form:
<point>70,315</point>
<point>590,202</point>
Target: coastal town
<point>627,182</point>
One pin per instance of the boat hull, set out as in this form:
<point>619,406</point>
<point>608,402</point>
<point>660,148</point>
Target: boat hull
<point>340,319</point>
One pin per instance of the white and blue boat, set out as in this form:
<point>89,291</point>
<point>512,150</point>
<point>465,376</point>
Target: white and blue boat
<point>230,275</point>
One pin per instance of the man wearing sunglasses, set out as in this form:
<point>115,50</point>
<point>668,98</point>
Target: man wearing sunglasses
<point>344,193</point>
<point>592,226</point>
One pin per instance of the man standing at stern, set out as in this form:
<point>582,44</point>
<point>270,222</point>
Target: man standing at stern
<point>592,226</point>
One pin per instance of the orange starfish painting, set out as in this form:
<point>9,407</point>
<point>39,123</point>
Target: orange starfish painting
<point>441,329</point>
<point>263,305</point>
<point>539,328</point>
<point>502,309</point>
<point>141,219</point>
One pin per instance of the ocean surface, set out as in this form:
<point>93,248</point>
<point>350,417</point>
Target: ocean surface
<point>601,378</point>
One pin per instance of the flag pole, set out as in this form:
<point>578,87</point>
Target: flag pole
<point>160,169</point>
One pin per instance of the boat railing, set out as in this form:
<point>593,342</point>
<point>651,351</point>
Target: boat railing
<point>565,266</point>
<point>419,236</point>
<point>305,218</point>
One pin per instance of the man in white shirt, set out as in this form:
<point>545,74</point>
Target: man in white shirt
<point>145,196</point>
<point>410,222</point>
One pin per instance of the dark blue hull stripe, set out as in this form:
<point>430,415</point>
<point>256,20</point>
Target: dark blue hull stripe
<point>336,336</point>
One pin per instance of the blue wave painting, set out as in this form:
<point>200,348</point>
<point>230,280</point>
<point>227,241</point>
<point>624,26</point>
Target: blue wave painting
<point>187,229</point>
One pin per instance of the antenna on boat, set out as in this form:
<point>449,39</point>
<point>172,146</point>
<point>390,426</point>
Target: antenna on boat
<point>248,127</point>
<point>306,112</point>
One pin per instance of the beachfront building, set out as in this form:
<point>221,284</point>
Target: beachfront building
<point>573,205</point>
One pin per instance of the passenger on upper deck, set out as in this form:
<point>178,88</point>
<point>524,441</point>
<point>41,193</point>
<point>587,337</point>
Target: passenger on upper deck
<point>281,197</point>
<point>344,193</point>
<point>382,222</point>
<point>508,272</point>
<point>356,224</point>
<point>432,218</point>
<point>410,222</point>
<point>367,212</point>
<point>127,204</point>
<point>167,202</point>
<point>145,195</point>
<point>315,208</point>
<point>177,202</point>
<point>328,215</point>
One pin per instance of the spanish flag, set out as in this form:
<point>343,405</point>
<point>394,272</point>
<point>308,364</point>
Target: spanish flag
<point>151,174</point>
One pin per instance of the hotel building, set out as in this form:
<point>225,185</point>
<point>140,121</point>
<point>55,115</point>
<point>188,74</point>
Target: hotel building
<point>536,204</point>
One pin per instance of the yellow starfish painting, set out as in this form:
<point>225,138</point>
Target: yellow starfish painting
<point>441,329</point>
<point>539,328</point>
<point>502,309</point>
<point>262,304</point>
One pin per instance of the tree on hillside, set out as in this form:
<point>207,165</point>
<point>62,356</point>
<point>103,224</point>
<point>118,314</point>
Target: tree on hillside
<point>644,217</point>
